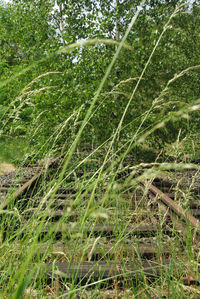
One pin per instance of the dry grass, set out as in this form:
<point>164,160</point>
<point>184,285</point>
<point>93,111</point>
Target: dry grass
<point>6,168</point>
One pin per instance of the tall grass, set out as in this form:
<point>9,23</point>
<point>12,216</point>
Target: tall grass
<point>102,196</point>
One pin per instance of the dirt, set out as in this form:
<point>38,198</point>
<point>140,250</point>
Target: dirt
<point>6,168</point>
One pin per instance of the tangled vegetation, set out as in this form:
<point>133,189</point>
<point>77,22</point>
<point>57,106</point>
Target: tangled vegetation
<point>49,80</point>
<point>105,85</point>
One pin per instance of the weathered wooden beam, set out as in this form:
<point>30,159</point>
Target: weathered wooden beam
<point>186,215</point>
<point>102,229</point>
<point>103,269</point>
<point>20,191</point>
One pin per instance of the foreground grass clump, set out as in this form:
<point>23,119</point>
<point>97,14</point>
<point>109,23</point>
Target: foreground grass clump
<point>111,204</point>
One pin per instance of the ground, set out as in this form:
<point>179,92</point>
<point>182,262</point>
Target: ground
<point>6,168</point>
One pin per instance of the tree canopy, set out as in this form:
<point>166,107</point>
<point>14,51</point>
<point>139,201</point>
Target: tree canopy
<point>47,84</point>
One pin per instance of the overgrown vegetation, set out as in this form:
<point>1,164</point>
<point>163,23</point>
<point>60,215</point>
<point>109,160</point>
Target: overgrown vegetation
<point>107,85</point>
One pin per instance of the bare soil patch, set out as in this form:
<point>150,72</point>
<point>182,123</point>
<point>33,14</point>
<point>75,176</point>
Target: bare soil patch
<point>6,168</point>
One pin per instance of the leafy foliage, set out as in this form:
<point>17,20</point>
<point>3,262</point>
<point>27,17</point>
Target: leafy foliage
<point>33,32</point>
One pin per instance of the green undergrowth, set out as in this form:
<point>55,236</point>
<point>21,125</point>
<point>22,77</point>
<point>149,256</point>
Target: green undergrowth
<point>13,149</point>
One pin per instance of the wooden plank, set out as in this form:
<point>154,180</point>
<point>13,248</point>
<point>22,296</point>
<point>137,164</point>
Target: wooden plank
<point>144,250</point>
<point>132,249</point>
<point>103,269</point>
<point>172,205</point>
<point>62,195</point>
<point>27,185</point>
<point>99,229</point>
<point>58,203</point>
<point>178,225</point>
<point>21,190</point>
